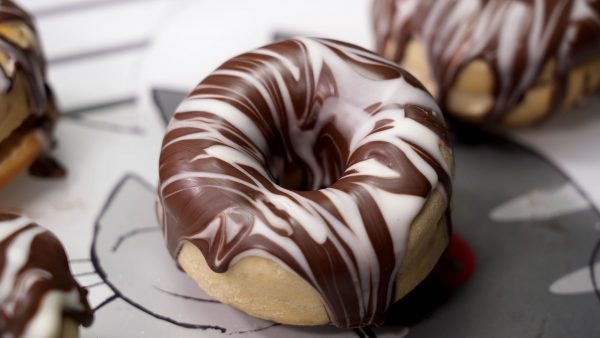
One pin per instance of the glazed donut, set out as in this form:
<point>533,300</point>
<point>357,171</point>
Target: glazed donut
<point>27,110</point>
<point>307,182</point>
<point>38,295</point>
<point>496,63</point>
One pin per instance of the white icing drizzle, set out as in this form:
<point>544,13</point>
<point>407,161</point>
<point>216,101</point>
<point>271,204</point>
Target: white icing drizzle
<point>16,258</point>
<point>48,321</point>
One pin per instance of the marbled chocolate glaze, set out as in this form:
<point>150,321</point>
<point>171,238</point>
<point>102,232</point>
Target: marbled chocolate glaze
<point>516,38</point>
<point>36,286</point>
<point>313,153</point>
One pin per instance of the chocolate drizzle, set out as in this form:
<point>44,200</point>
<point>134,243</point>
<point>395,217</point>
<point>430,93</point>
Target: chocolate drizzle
<point>516,38</point>
<point>311,152</point>
<point>29,61</point>
<point>36,285</point>
<point>48,167</point>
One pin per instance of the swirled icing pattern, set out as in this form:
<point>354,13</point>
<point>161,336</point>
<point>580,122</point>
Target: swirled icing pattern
<point>36,286</point>
<point>313,153</point>
<point>516,38</point>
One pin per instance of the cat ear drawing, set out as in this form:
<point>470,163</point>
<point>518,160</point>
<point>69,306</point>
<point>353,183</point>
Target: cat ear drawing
<point>166,101</point>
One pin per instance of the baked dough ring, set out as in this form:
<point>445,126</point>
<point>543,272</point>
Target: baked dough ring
<point>40,298</point>
<point>487,62</point>
<point>27,110</point>
<point>308,165</point>
<point>261,287</point>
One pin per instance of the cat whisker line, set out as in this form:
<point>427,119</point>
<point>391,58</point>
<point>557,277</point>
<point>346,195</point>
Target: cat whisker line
<point>83,274</point>
<point>203,300</point>
<point>79,260</point>
<point>105,302</point>
<point>94,285</point>
<point>253,331</point>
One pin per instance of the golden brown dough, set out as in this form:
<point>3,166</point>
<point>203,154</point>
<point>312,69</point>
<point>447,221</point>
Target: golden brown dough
<point>17,154</point>
<point>27,110</point>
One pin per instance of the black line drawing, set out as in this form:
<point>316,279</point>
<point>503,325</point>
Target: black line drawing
<point>132,233</point>
<point>82,274</point>
<point>167,100</point>
<point>205,300</point>
<point>93,285</point>
<point>79,260</point>
<point>106,301</point>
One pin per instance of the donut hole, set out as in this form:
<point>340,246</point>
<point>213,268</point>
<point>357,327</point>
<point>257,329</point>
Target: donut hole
<point>298,165</point>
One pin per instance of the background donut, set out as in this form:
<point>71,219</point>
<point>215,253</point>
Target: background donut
<point>38,295</point>
<point>27,111</point>
<point>508,63</point>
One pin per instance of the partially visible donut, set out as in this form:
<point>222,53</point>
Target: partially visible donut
<point>38,295</point>
<point>307,182</point>
<point>499,63</point>
<point>27,110</point>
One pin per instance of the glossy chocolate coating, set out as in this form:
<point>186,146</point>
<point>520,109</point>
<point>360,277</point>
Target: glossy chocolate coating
<point>313,153</point>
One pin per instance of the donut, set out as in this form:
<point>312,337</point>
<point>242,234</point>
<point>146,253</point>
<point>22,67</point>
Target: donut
<point>504,63</point>
<point>38,295</point>
<point>27,109</point>
<point>307,182</point>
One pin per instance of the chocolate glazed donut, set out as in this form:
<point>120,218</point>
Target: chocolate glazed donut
<point>506,62</point>
<point>315,155</point>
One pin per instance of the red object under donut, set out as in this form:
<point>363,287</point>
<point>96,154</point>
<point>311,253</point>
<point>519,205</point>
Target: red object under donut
<point>457,265</point>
